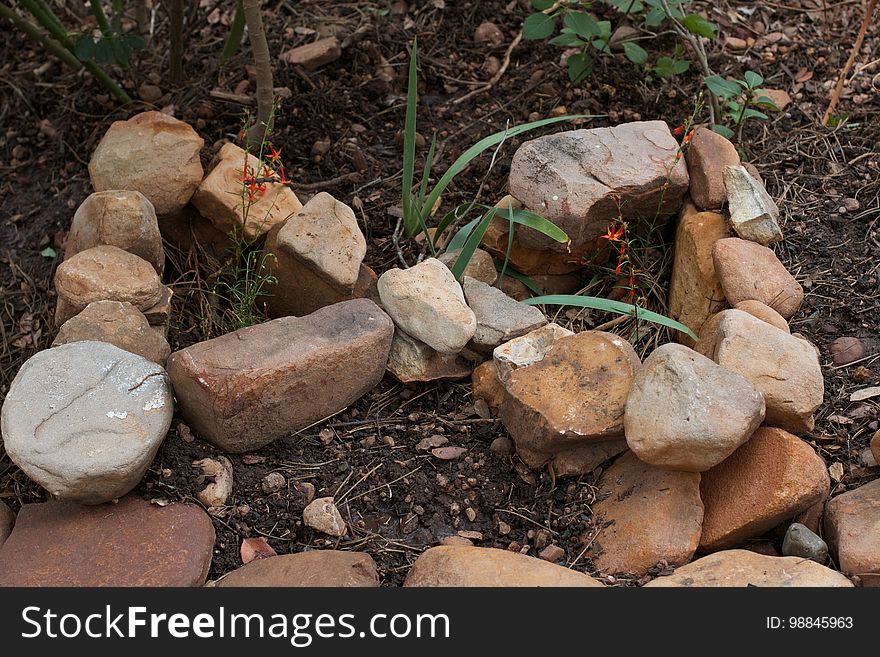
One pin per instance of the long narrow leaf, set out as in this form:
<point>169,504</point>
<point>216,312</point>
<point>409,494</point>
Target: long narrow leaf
<point>410,221</point>
<point>540,224</point>
<point>462,235</point>
<point>510,234</point>
<point>467,251</point>
<point>236,30</point>
<point>608,305</point>
<point>429,161</point>
<point>458,212</point>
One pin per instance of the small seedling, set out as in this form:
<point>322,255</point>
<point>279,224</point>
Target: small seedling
<point>741,102</point>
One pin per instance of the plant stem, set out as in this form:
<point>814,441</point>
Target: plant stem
<point>265,94</point>
<point>35,35</point>
<point>98,11</point>
<point>838,88</point>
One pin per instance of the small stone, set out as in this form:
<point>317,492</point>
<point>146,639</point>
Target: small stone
<point>412,361</point>
<point>428,303</point>
<point>159,314</point>
<point>875,446</point>
<point>273,482</point>
<point>216,493</point>
<point>845,350</point>
<point>7,522</point>
<point>340,355</point>
<point>763,312</point>
<point>801,542</point>
<point>149,93</point>
<point>486,386</point>
<point>526,350</point>
<point>580,460</point>
<point>851,524</point>
<point>499,318</point>
<point>785,369</point>
<point>552,553</point>
<point>322,515</point>
<point>742,568</point>
<point>575,396</point>
<point>255,548</point>
<point>647,516</point>
<point>753,214</point>
<point>219,197</point>
<point>456,540</point>
<point>476,536</point>
<point>117,218</point>
<point>481,266</point>
<point>708,154</point>
<point>735,43</point>
<point>773,477</point>
<point>448,453</point>
<point>84,420</point>
<point>104,273</point>
<point>312,56</point>
<point>132,543</point>
<point>120,324</point>
<point>489,33</point>
<point>748,270</point>
<point>684,412</point>
<point>453,566</point>
<point>312,569</point>
<point>151,153</point>
<point>431,442</point>
<point>471,514</point>
<point>503,446</point>
<point>306,490</point>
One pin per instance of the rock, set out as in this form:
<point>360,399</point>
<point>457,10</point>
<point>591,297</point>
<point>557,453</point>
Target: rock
<point>219,197</point>
<point>187,230</point>
<point>581,460</point>
<point>499,318</point>
<point>428,304</point>
<point>645,516</point>
<point>812,517</point>
<point>845,350</point>
<point>461,566</point>
<point>707,156</point>
<point>503,446</point>
<point>582,179</point>
<point>151,153</point>
<point>255,548</point>
<point>84,420</point>
<point>552,553</point>
<point>708,336</point>
<point>312,56</point>
<point>131,543</point>
<point>852,522</point>
<point>411,361</point>
<point>785,369</point>
<point>763,312</point>
<point>779,97</point>
<point>875,446</point>
<point>489,33</point>
<point>324,237</point>
<point>695,292</point>
<point>575,396</point>
<point>526,350</point>
<point>245,389</point>
<point>313,569</point>
<point>160,313</point>
<point>273,482</point>
<point>120,324</point>
<point>481,266</point>
<point>104,273</point>
<point>448,453</point>
<point>741,568</point>
<point>753,214</point>
<point>218,491</point>
<point>801,542</point>
<point>748,270</point>
<point>684,412</point>
<point>322,515</point>
<point>149,93</point>
<point>772,478</point>
<point>514,288</point>
<point>559,283</point>
<point>118,218</point>
<point>486,385</point>
<point>7,522</point>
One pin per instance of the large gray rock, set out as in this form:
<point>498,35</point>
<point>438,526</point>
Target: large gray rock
<point>684,412</point>
<point>427,302</point>
<point>499,318</point>
<point>753,214</point>
<point>582,180</point>
<point>84,420</point>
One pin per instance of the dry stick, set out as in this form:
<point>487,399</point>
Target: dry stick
<point>835,97</point>
<point>494,80</point>
<point>262,61</point>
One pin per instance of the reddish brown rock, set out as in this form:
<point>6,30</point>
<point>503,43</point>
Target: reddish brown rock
<point>130,543</point>
<point>413,361</point>
<point>312,56</point>
<point>695,292</point>
<point>575,396</point>
<point>462,566</point>
<point>481,266</point>
<point>7,522</point>
<point>151,153</point>
<point>772,478</point>
<point>580,460</point>
<point>748,270</point>
<point>486,385</point>
<point>707,156</point>
<point>845,350</point>
<point>316,568</point>
<point>852,528</point>
<point>645,516</point>
<point>244,389</point>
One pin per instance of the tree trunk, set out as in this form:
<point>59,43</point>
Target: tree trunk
<point>257,36</point>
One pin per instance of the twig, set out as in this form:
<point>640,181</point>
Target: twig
<point>838,88</point>
<point>495,78</point>
<point>395,239</point>
<point>352,176</point>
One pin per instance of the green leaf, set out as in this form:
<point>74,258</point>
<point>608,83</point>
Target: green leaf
<point>103,52</point>
<point>411,216</point>
<point>580,65</point>
<point>723,130</point>
<point>627,6</point>
<point>666,67</point>
<point>753,80</point>
<point>134,41</point>
<point>567,39</point>
<point>765,101</point>
<point>538,223</point>
<point>608,305</point>
<point>84,48</point>
<point>236,31</point>
<point>602,46</point>
<point>752,113</point>
<point>655,17</point>
<point>473,241</point>
<point>538,26</point>
<point>605,30</point>
<point>459,212</point>
<point>722,88</point>
<point>696,24</point>
<point>582,24</point>
<point>635,53</point>
<point>49,252</point>
<point>541,5</point>
<point>462,235</point>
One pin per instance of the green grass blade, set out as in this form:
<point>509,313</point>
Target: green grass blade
<point>510,232</point>
<point>410,220</point>
<point>608,305</point>
<point>429,161</point>
<point>539,223</point>
<point>453,215</point>
<point>473,241</point>
<point>236,30</point>
<point>462,235</point>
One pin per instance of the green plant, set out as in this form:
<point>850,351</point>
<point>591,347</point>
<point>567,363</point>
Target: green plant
<point>110,45</point>
<point>741,99</point>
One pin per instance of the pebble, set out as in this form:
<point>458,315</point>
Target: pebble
<point>845,350</point>
<point>273,482</point>
<point>799,541</point>
<point>322,515</point>
<point>216,493</point>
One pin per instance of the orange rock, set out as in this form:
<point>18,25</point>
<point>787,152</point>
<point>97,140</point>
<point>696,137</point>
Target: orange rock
<point>486,385</point>
<point>707,155</point>
<point>852,525</point>
<point>317,568</point>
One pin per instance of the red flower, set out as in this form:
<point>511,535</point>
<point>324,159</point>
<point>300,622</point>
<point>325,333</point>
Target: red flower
<point>273,154</point>
<point>678,130</point>
<point>687,137</point>
<point>613,235</point>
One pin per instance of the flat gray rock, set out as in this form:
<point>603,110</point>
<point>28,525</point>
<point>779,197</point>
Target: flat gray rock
<point>84,420</point>
<point>499,317</point>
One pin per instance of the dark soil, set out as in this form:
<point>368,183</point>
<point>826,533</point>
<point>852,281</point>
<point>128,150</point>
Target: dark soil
<point>399,500</point>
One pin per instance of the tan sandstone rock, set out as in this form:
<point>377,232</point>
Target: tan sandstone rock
<point>708,154</point>
<point>316,568</point>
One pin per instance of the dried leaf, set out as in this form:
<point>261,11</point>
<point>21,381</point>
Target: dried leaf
<point>255,548</point>
<point>803,75</point>
<point>448,453</point>
<point>865,393</point>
